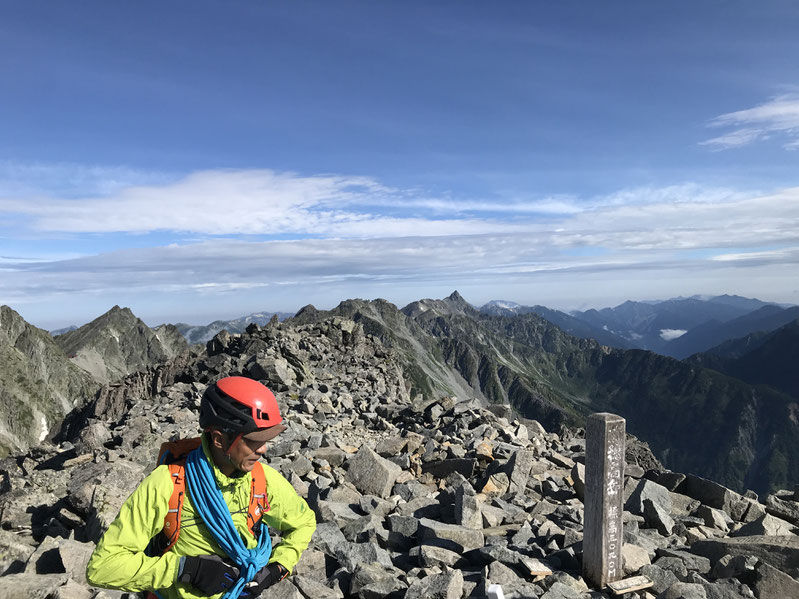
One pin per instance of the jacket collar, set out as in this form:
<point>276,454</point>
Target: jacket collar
<point>222,479</point>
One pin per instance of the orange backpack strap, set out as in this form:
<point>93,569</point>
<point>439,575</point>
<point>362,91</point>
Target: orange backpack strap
<point>259,502</point>
<point>172,519</point>
<point>173,455</point>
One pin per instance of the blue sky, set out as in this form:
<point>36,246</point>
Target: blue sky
<point>202,160</point>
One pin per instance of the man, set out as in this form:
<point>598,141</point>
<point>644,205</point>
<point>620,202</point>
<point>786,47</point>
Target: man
<point>238,416</point>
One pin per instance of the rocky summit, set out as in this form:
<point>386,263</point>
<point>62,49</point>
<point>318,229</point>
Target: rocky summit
<point>118,343</point>
<point>415,497</point>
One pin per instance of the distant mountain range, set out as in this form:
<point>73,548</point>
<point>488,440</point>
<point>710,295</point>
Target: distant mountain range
<point>677,327</point>
<point>203,333</point>
<point>740,430</point>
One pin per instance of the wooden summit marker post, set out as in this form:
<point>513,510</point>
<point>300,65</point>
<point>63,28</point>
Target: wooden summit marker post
<point>604,497</point>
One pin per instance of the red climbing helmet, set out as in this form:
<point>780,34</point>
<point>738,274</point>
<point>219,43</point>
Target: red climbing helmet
<point>242,406</point>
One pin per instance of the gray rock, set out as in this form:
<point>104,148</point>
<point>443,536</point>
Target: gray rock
<point>332,455</point>
<point>372,474</point>
<point>783,504</point>
<point>56,555</point>
<point>382,589</point>
<point>658,517</point>
<point>447,585</point>
<point>693,560</point>
<point>32,586</point>
<point>452,536</point>
<point>467,508</point>
<point>310,587</point>
<point>301,465</point>
<point>770,583</point>
<point>731,566</point>
<point>765,525</point>
<point>71,590</point>
<point>780,552</point>
<point>369,574</point>
<point>14,551</point>
<point>334,511</point>
<point>312,563</point>
<point>430,556</point>
<point>353,554</point>
<point>646,489</point>
<point>275,372</point>
<point>634,558</point>
<point>561,591</point>
<point>670,480</point>
<point>662,578</point>
<point>673,564</point>
<point>499,573</point>
<point>714,518</point>
<point>715,495</point>
<point>328,538</point>
<point>99,489</point>
<point>518,469</point>
<point>684,590</point>
<point>391,446</point>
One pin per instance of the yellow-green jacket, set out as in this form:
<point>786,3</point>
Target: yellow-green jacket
<point>119,561</point>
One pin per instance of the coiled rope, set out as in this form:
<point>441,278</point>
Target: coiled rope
<point>208,499</point>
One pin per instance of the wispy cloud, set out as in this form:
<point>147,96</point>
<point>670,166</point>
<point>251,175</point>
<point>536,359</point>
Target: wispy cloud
<point>777,117</point>
<point>258,202</point>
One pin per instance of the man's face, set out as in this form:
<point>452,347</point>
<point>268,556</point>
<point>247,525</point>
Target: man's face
<point>246,452</point>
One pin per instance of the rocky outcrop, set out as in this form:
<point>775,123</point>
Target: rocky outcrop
<point>117,344</point>
<point>434,498</point>
<point>38,384</point>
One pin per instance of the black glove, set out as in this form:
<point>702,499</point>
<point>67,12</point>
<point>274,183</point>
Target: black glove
<point>209,574</point>
<point>266,577</point>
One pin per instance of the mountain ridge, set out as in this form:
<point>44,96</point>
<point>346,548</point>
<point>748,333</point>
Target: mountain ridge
<point>118,343</point>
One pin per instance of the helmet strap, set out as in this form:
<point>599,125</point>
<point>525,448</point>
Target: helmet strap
<point>230,447</point>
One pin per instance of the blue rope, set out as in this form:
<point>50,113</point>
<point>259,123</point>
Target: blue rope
<point>208,499</point>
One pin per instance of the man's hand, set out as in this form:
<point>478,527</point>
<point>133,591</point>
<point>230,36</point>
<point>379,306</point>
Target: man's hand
<point>209,574</point>
<point>266,577</point>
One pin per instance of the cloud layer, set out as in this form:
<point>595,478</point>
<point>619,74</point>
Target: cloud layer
<point>244,234</point>
<point>779,117</point>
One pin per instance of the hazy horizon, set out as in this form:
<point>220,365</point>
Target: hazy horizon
<point>212,317</point>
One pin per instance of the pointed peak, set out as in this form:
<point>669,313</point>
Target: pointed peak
<point>457,298</point>
<point>308,310</point>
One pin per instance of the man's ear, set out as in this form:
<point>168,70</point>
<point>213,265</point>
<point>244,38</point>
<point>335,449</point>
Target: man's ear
<point>217,439</point>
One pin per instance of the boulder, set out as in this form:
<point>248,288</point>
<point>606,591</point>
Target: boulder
<point>447,585</point>
<point>451,536</point>
<point>684,590</point>
<point>715,495</point>
<point>646,489</point>
<point>771,583</point>
<point>518,469</point>
<point>657,517</point>
<point>765,525</point>
<point>372,474</point>
<point>634,558</point>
